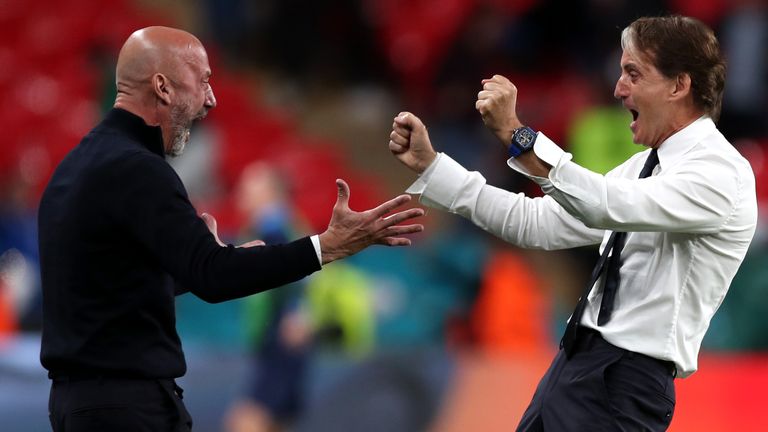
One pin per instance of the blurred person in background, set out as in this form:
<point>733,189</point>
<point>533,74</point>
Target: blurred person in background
<point>278,330</point>
<point>119,239</point>
<point>286,326</point>
<point>20,300</point>
<point>675,222</point>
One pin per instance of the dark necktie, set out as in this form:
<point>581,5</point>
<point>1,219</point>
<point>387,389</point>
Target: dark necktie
<point>615,243</point>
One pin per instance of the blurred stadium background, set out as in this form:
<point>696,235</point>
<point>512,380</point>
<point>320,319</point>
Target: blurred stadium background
<point>451,334</point>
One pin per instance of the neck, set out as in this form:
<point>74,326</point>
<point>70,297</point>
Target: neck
<point>138,108</point>
<point>147,111</point>
<point>679,122</point>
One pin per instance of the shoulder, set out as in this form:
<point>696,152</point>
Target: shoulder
<point>717,152</point>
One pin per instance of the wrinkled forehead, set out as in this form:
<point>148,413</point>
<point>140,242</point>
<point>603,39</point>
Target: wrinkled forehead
<point>193,56</point>
<point>643,63</point>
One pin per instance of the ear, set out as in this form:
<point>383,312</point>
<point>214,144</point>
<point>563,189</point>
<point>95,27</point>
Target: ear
<point>161,87</point>
<point>682,86</point>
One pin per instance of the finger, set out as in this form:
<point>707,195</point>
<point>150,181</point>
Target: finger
<point>401,130</point>
<point>398,139</point>
<point>407,120</point>
<point>482,106</point>
<point>501,79</point>
<point>493,79</point>
<point>390,205</point>
<point>395,241</point>
<point>484,94</point>
<point>399,230</point>
<point>397,148</point>
<point>342,198</point>
<point>401,217</point>
<point>494,86</point>
<point>252,243</point>
<point>210,222</point>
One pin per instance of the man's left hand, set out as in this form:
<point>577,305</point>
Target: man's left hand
<point>497,105</point>
<point>349,231</point>
<point>210,222</point>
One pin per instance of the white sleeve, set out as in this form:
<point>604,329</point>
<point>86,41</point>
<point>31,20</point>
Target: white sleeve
<point>696,197</point>
<point>539,223</point>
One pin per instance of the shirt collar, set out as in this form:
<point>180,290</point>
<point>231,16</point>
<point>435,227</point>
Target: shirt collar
<point>674,147</point>
<point>135,128</point>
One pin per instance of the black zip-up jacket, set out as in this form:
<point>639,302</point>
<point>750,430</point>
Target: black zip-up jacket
<point>117,234</point>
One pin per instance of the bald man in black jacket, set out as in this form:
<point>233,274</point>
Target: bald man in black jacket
<point>118,236</point>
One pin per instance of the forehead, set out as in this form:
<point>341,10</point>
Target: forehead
<point>630,59</point>
<point>196,58</point>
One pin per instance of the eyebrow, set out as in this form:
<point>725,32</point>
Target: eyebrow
<point>630,66</point>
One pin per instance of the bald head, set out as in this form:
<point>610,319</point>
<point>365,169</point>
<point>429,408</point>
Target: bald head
<point>162,76</point>
<point>153,50</point>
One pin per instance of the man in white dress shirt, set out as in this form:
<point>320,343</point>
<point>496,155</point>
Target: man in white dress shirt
<point>674,223</point>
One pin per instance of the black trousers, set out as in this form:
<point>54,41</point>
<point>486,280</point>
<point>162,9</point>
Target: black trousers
<point>117,405</point>
<point>602,388</point>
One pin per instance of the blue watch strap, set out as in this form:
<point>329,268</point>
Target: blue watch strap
<point>514,150</point>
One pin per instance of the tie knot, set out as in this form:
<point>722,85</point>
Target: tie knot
<point>650,164</point>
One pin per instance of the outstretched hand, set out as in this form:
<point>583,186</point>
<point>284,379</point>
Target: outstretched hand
<point>496,103</point>
<point>409,142</point>
<point>350,232</point>
<point>210,222</point>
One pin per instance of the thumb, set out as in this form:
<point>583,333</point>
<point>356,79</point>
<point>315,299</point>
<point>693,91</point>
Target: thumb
<point>407,120</point>
<point>210,222</point>
<point>412,123</point>
<point>252,243</point>
<point>343,193</point>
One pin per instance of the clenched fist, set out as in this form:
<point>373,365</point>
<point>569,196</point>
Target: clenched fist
<point>409,142</point>
<point>496,103</point>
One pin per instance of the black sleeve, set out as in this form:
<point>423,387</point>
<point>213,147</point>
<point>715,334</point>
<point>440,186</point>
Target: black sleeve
<point>153,205</point>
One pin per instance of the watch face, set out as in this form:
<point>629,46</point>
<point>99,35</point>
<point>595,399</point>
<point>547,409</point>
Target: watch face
<point>525,137</point>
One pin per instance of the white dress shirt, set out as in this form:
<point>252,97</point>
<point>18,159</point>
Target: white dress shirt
<point>689,226</point>
<point>318,251</point>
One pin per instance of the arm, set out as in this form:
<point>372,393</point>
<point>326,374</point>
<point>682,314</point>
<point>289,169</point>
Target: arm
<point>154,209</point>
<point>446,185</point>
<point>697,198</point>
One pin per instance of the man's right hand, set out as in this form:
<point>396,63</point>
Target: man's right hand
<point>409,142</point>
<point>349,231</point>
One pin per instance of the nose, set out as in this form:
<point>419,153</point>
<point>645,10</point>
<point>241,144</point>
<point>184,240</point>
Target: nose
<point>622,89</point>
<point>210,99</point>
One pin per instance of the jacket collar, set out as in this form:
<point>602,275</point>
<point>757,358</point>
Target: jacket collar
<point>135,128</point>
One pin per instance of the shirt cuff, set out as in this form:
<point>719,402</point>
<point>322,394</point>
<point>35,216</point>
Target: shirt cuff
<point>316,243</point>
<point>441,183</point>
<point>418,187</point>
<point>547,151</point>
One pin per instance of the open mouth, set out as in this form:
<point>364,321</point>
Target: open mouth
<point>634,114</point>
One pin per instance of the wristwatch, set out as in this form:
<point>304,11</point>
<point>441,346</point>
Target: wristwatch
<point>523,139</point>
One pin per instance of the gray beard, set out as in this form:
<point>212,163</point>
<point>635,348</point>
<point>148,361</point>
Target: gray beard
<point>180,138</point>
<point>181,130</point>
